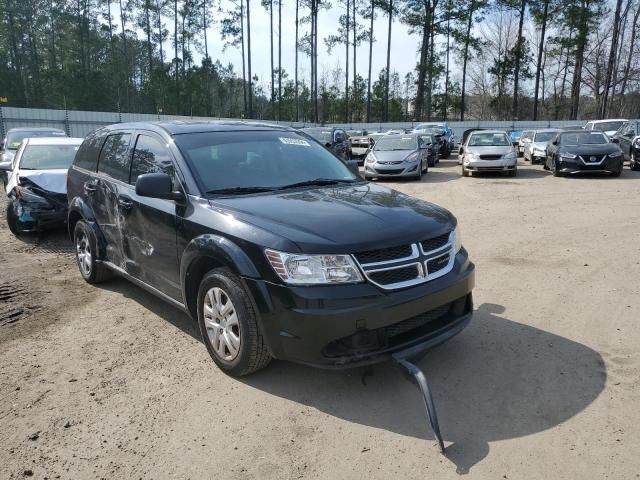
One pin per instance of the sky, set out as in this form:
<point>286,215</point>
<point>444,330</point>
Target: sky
<point>403,46</point>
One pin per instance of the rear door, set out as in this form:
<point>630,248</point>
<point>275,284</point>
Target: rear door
<point>114,164</point>
<point>625,137</point>
<point>150,246</point>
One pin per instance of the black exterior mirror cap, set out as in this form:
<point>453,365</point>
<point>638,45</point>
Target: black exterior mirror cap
<point>157,185</point>
<point>615,140</point>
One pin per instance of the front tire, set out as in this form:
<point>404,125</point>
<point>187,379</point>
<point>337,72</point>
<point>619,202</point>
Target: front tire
<point>12,220</point>
<point>228,324</point>
<point>86,254</point>
<point>556,171</point>
<point>465,172</point>
<point>633,163</point>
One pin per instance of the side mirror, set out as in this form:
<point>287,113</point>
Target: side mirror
<point>615,140</point>
<point>157,185</point>
<point>555,142</point>
<point>6,166</point>
<point>352,165</point>
<point>328,144</point>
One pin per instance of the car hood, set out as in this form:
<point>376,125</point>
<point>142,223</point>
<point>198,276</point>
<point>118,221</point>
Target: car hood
<point>539,145</point>
<point>493,150</point>
<point>342,219</point>
<point>392,155</point>
<point>54,181</point>
<point>590,149</point>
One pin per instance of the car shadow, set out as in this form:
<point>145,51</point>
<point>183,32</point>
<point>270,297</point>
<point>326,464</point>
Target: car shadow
<point>52,241</point>
<point>162,309</point>
<point>498,380</point>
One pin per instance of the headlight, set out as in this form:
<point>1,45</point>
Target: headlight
<point>615,154</point>
<point>568,156</point>
<point>300,269</point>
<point>510,155</point>
<point>371,158</point>
<point>457,239</point>
<point>413,157</point>
<point>471,157</point>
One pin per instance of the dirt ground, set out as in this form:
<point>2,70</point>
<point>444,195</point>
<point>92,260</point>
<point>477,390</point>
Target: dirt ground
<point>110,382</point>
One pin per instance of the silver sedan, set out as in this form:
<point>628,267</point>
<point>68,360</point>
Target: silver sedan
<point>489,151</point>
<point>398,156</point>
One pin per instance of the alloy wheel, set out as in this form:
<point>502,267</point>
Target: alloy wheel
<point>83,252</point>
<point>222,324</point>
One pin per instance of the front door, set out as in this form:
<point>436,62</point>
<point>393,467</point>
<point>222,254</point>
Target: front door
<point>150,244</point>
<point>113,174</point>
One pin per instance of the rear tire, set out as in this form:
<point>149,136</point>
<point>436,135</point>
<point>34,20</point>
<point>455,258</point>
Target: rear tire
<point>228,324</point>
<point>86,254</point>
<point>513,173</point>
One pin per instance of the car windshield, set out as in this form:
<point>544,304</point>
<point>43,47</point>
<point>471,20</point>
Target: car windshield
<point>608,126</point>
<point>245,161</point>
<point>544,136</point>
<point>48,157</point>
<point>14,139</point>
<point>399,142</point>
<point>489,140</point>
<point>321,135</point>
<point>586,138</point>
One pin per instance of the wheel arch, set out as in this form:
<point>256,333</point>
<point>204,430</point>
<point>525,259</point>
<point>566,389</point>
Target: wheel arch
<point>203,254</point>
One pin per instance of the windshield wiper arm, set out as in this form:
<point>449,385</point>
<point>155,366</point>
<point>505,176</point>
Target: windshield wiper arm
<point>317,181</point>
<point>240,190</point>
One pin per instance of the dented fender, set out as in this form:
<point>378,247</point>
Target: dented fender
<point>78,206</point>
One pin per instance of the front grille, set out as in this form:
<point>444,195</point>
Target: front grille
<point>596,158</point>
<point>384,254</point>
<point>393,171</point>
<point>490,157</point>
<point>398,162</point>
<point>437,264</point>
<point>435,243</point>
<point>396,275</point>
<point>415,322</point>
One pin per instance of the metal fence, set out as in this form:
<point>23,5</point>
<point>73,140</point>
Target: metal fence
<point>80,123</point>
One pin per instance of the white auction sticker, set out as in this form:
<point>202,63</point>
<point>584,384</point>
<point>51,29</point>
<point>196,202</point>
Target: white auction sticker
<point>294,141</point>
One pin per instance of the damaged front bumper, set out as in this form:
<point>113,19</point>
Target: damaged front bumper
<point>35,213</point>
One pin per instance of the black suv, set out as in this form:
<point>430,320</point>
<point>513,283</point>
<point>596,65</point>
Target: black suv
<point>269,241</point>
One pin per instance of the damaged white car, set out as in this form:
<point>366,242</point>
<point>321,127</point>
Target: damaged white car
<point>37,183</point>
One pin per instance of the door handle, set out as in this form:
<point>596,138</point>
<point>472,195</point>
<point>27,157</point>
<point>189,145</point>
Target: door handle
<point>125,203</point>
<point>89,187</point>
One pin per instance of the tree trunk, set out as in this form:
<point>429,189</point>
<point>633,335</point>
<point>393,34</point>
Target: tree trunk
<point>296,64</point>
<point>160,39</point>
<point>430,70</point>
<point>273,86</point>
<point>279,57</point>
<point>612,59</point>
<point>355,39</point>
<point>465,58</point>
<point>632,43</point>
<point>244,71</point>
<point>446,77</point>
<point>388,72</point>
<point>422,64</point>
<point>249,60</point>
<point>543,29</point>
<point>518,59</point>
<point>175,54</point>
<point>346,82</point>
<point>373,7</point>
<point>576,83</point>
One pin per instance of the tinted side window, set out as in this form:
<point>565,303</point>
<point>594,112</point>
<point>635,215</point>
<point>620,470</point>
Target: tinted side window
<point>87,154</point>
<point>114,160</point>
<point>150,156</point>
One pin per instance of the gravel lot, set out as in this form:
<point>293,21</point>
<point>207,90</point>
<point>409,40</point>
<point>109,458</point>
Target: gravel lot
<point>109,382</point>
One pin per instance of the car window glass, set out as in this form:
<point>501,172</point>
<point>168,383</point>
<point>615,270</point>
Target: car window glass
<point>47,157</point>
<point>269,159</point>
<point>114,160</point>
<point>150,156</point>
<point>87,155</point>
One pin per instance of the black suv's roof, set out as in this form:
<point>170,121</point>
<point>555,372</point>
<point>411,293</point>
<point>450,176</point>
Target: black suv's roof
<point>177,127</point>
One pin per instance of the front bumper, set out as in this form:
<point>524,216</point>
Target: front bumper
<point>577,165</point>
<point>36,218</point>
<point>360,324</point>
<point>399,169</point>
<point>501,165</point>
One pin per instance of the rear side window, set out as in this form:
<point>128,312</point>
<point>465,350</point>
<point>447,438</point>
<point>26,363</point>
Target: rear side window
<point>87,154</point>
<point>150,156</point>
<point>114,160</point>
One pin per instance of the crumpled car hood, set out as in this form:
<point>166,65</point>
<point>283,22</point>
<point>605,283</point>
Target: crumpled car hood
<point>54,181</point>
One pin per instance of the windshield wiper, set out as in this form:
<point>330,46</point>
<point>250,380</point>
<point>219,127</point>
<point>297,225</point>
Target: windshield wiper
<point>317,181</point>
<point>240,190</point>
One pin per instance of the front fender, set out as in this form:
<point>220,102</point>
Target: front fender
<point>222,250</point>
